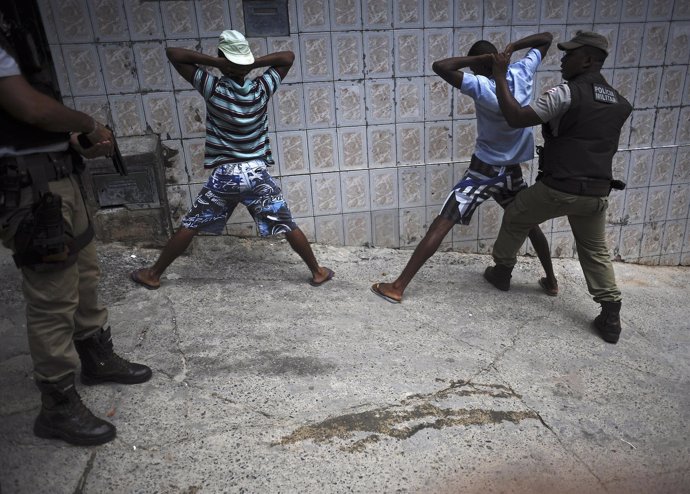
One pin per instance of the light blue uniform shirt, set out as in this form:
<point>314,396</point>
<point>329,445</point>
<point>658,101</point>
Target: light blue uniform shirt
<point>497,143</point>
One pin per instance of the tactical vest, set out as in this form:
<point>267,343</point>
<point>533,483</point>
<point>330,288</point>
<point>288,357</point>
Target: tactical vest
<point>14,133</point>
<point>588,135</point>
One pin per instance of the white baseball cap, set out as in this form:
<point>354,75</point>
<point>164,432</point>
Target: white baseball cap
<point>234,46</point>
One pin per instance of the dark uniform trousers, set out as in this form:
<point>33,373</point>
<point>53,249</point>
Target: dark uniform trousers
<point>61,305</point>
<point>587,218</point>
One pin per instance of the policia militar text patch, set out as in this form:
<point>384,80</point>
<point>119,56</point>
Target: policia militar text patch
<point>604,94</point>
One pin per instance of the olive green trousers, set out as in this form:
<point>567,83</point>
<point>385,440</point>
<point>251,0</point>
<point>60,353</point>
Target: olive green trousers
<point>587,218</point>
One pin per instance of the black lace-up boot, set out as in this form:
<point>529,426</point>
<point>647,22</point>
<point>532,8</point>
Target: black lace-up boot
<point>99,363</point>
<point>608,322</point>
<point>499,276</point>
<point>64,416</point>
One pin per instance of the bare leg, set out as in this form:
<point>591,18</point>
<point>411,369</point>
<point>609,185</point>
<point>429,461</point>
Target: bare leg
<point>300,244</point>
<point>177,244</point>
<point>541,246</point>
<point>424,250</point>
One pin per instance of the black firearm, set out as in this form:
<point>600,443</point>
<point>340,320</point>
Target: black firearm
<point>118,162</point>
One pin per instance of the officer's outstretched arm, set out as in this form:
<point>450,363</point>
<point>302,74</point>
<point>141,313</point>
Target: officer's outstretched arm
<point>517,116</point>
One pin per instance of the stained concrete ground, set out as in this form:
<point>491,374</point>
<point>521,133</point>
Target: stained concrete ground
<point>265,384</point>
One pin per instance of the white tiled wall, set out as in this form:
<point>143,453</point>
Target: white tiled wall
<point>368,141</point>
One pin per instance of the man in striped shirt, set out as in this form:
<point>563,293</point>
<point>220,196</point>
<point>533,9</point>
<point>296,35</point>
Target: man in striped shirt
<point>237,152</point>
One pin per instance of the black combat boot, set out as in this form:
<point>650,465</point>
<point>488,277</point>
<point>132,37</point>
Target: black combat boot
<point>499,276</point>
<point>64,416</point>
<point>99,363</point>
<point>608,323</point>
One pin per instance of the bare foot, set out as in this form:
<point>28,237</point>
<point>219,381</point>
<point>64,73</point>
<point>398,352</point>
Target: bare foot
<point>322,276</point>
<point>145,278</point>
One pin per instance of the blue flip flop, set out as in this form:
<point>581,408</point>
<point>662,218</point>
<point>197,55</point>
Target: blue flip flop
<point>375,289</point>
<point>331,273</point>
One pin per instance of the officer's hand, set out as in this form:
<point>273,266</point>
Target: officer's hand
<point>500,65</point>
<point>103,148</point>
<point>102,134</point>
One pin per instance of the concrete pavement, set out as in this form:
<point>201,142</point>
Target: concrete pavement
<point>263,383</point>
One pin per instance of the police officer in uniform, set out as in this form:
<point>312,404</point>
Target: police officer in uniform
<point>43,220</point>
<point>581,124</point>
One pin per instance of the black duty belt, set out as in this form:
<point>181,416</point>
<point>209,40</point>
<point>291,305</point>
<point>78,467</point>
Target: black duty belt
<point>579,186</point>
<point>39,167</point>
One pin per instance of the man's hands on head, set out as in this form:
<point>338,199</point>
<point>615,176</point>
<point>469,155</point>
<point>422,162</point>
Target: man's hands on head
<point>500,64</point>
<point>233,69</point>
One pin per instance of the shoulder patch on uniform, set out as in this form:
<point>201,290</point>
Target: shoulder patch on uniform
<point>604,94</point>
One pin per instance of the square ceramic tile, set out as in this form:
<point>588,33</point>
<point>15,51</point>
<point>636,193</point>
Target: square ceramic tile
<point>409,52</point>
<point>635,205</point>
<point>316,57</point>
<point>660,10</point>
<point>326,193</point>
<point>108,20</point>
<point>681,10</point>
<point>464,39</point>
<point>378,46</point>
<point>349,103</point>
<point>469,13</point>
<point>329,229</point>
<point>634,10</point>
<point>385,227</point>
<point>45,8</point>
<point>319,105</point>
<point>607,11</point>
<point>60,71</point>
<point>292,152</point>
<point>179,20</point>
<point>629,45</point>
<point>128,114</point>
<point>377,14</point>
<point>152,66</point>
<point>581,11</point>
<point>666,126</point>
<point>382,145</point>
<point>655,36</point>
<point>348,58</point>
<point>562,245</point>
<point>610,31</point>
<point>119,68</point>
<point>489,219</point>
<point>179,202</point>
<point>355,191</point>
<point>439,181</point>
<point>96,106</point>
<point>662,166</point>
<point>464,233</point>
<point>463,106</point>
<point>179,82</point>
<point>673,237</point>
<point>352,148</point>
<point>640,168</point>
<point>288,107</point>
<point>648,82</point>
<point>657,203</point>
<point>464,138</point>
<point>413,226</point>
<point>213,17</point>
<point>409,99</point>
<point>191,109</point>
<point>613,237</point>
<point>313,15</point>
<point>357,227</point>
<point>237,16</point>
<point>438,13</point>
<point>144,19</point>
<point>614,212</point>
<point>411,186</point>
<point>621,165</point>
<point>498,35</point>
<point>438,143</point>
<point>554,11</point>
<point>560,224</point>
<point>346,15</point>
<point>410,143</point>
<point>175,165</point>
<point>407,14</point>
<point>678,48</point>
<point>683,135</point>
<point>73,21</point>
<point>438,101</point>
<point>498,12</point>
<point>84,70</point>
<point>631,237</point>
<point>526,12</point>
<point>678,203</point>
<point>160,110</point>
<point>288,44</point>
<point>671,91</point>
<point>383,186</point>
<point>297,192</point>
<point>306,224</point>
<point>438,45</point>
<point>642,128</point>
<point>552,60</point>
<point>650,244</point>
<point>194,154</point>
<point>380,101</point>
<point>625,82</point>
<point>323,150</point>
